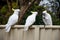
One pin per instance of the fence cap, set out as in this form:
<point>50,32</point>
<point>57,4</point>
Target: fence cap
<point>33,26</point>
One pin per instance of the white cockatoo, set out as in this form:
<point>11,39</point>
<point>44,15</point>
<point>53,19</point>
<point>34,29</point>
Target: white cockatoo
<point>13,19</point>
<point>46,18</point>
<point>30,20</point>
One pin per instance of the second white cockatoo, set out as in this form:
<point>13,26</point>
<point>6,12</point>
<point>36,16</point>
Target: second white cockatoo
<point>30,20</point>
<point>13,19</point>
<point>46,18</point>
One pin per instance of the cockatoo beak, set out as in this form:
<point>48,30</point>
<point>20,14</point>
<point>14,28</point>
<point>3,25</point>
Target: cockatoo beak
<point>12,9</point>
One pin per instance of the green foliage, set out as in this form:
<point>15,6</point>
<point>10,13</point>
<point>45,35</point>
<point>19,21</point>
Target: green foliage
<point>14,5</point>
<point>55,20</point>
<point>3,9</point>
<point>3,12</point>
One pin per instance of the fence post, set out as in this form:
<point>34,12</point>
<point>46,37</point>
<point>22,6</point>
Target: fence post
<point>36,36</point>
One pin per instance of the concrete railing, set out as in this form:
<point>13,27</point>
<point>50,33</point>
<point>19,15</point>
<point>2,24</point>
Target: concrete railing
<point>36,32</point>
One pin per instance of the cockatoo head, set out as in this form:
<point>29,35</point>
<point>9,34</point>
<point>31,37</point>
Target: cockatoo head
<point>16,10</point>
<point>44,12</point>
<point>34,12</point>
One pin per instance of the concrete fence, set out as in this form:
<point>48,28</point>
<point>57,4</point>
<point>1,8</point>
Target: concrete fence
<point>36,32</point>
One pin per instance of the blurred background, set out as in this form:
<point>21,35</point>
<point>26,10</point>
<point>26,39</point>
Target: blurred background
<point>52,6</point>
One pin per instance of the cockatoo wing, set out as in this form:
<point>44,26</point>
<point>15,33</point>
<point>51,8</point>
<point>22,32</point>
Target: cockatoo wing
<point>49,20</point>
<point>44,20</point>
<point>29,21</point>
<point>12,20</point>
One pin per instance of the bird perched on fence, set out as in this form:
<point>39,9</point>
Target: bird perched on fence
<point>46,18</point>
<point>30,20</point>
<point>13,19</point>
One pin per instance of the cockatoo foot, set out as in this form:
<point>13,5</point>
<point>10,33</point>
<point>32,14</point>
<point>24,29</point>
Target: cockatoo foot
<point>25,29</point>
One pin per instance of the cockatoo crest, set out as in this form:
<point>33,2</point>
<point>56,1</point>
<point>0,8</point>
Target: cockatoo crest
<point>45,11</point>
<point>34,12</point>
<point>13,9</point>
<point>16,10</point>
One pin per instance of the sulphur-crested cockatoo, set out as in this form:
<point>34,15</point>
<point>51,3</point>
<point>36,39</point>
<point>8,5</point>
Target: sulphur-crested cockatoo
<point>12,19</point>
<point>46,18</point>
<point>30,20</point>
